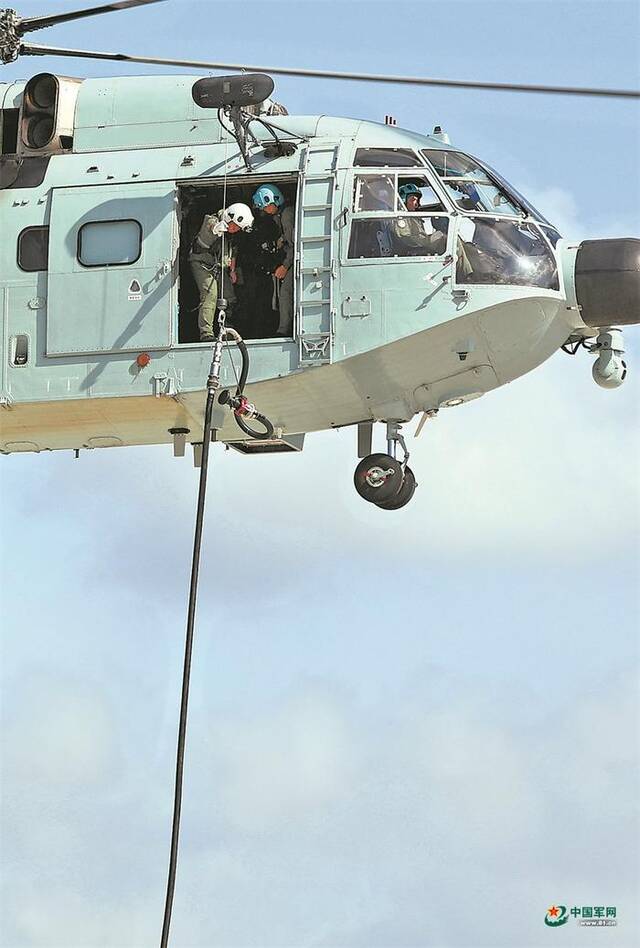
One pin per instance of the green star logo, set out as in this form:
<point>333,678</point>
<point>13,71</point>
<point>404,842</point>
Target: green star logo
<point>556,915</point>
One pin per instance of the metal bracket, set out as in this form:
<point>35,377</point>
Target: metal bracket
<point>394,438</point>
<point>164,384</point>
<point>314,348</point>
<point>179,441</point>
<point>460,296</point>
<point>365,438</point>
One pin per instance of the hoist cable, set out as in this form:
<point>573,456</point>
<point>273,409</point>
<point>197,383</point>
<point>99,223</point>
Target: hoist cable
<point>212,383</point>
<point>186,673</point>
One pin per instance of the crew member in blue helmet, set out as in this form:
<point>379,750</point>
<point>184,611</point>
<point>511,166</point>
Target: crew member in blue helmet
<point>410,195</point>
<point>269,200</point>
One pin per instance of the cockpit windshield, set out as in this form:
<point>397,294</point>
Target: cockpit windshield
<point>521,200</point>
<point>470,186</point>
<point>491,251</point>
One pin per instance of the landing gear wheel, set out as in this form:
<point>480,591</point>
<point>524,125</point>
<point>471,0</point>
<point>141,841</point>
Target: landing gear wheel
<point>404,495</point>
<point>378,478</point>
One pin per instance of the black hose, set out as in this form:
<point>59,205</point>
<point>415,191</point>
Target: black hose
<point>242,381</point>
<point>188,649</point>
<point>259,435</point>
<point>244,352</point>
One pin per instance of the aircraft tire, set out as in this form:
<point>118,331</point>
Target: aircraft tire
<point>404,495</point>
<point>378,478</point>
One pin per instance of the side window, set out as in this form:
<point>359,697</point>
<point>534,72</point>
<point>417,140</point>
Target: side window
<point>33,249</point>
<point>388,192</point>
<point>109,243</point>
<point>419,186</point>
<point>375,192</point>
<point>408,235</point>
<point>396,215</point>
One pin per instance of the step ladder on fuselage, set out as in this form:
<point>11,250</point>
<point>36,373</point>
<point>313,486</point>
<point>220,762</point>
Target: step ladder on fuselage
<point>316,263</point>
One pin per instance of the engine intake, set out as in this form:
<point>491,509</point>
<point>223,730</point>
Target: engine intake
<point>47,114</point>
<point>608,281</point>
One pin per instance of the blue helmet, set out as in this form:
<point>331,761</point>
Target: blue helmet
<point>268,194</point>
<point>406,190</point>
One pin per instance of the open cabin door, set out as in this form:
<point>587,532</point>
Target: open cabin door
<point>112,272</point>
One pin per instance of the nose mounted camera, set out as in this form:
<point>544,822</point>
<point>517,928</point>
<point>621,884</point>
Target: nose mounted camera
<point>609,370</point>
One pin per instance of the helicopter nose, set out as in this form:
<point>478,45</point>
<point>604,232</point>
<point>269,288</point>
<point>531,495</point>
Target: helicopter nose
<point>608,281</point>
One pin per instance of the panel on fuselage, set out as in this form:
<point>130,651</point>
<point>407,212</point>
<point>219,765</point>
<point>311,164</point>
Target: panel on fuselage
<point>103,306</point>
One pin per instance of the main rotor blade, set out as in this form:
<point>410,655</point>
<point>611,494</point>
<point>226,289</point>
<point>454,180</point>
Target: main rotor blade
<point>321,74</point>
<point>28,24</point>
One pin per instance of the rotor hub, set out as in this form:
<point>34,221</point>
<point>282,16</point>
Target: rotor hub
<point>9,36</point>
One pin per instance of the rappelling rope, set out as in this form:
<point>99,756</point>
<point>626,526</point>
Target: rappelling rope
<point>212,386</point>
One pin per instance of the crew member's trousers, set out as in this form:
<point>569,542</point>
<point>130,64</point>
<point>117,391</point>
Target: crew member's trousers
<point>285,327</point>
<point>208,289</point>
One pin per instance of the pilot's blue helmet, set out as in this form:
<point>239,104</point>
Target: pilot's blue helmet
<point>406,190</point>
<point>268,194</point>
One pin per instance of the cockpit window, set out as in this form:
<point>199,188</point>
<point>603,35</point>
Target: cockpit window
<point>411,186</point>
<point>470,186</point>
<point>393,192</point>
<point>386,158</point>
<point>493,251</point>
<point>375,192</point>
<point>408,235</point>
<point>519,198</point>
<point>453,164</point>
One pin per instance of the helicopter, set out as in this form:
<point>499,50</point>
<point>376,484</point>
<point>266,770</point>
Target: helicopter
<point>399,310</point>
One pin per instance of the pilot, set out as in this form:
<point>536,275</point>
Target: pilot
<point>416,236</point>
<point>269,201</point>
<point>213,253</point>
<point>411,196</point>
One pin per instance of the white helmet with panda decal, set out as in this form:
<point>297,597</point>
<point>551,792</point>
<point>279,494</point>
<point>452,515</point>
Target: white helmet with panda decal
<point>238,214</point>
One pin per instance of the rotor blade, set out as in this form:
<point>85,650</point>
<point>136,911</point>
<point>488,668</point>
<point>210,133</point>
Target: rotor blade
<point>320,74</point>
<point>28,24</point>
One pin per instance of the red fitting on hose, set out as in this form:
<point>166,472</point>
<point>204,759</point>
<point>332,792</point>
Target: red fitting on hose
<point>243,407</point>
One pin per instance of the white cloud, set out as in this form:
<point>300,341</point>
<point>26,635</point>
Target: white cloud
<point>58,732</point>
<point>291,760</point>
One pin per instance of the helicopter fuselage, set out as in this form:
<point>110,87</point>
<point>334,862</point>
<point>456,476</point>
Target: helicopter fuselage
<point>96,293</point>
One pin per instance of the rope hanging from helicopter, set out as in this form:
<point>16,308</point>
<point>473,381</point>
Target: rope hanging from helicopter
<point>242,409</point>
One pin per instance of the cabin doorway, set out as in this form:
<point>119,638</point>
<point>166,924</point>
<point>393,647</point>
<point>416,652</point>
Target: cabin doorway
<point>253,300</point>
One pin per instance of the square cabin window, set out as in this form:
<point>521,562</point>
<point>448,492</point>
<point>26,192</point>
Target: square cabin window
<point>33,249</point>
<point>109,243</point>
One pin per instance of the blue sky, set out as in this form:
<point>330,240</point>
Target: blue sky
<point>413,730</point>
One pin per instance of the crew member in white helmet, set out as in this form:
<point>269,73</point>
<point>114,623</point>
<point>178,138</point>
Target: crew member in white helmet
<point>213,253</point>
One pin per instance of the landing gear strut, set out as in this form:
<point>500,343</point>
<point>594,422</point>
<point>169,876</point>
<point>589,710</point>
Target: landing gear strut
<point>383,480</point>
